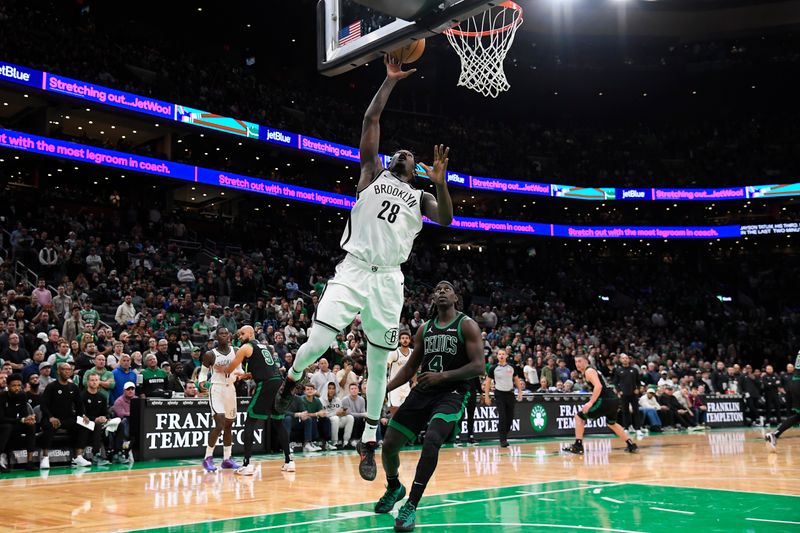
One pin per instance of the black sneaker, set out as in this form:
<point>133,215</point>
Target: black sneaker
<point>389,499</point>
<point>574,448</point>
<point>632,448</point>
<point>504,444</point>
<point>367,467</point>
<point>285,396</point>
<point>472,439</point>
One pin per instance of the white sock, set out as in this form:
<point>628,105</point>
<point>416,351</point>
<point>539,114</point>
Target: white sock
<point>369,434</point>
<point>226,452</point>
<point>210,451</point>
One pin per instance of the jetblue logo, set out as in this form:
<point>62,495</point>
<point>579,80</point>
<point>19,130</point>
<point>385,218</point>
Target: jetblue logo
<point>8,71</point>
<point>632,193</point>
<point>278,136</point>
<point>456,178</point>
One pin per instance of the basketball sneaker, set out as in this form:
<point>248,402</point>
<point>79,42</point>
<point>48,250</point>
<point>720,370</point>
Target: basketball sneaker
<point>576,448</point>
<point>366,466</point>
<point>81,461</point>
<point>208,464</point>
<point>44,464</point>
<point>632,448</point>
<point>230,464</point>
<point>389,498</point>
<point>406,517</point>
<point>285,394</point>
<point>246,470</point>
<point>288,467</point>
<point>98,460</point>
<point>772,441</point>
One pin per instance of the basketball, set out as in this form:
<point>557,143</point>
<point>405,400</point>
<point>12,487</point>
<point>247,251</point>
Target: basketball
<point>409,53</point>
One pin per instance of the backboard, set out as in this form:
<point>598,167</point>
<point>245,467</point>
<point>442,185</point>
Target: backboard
<point>350,34</point>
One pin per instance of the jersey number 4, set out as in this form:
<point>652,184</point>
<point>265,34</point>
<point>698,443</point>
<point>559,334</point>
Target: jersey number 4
<point>435,364</point>
<point>393,210</point>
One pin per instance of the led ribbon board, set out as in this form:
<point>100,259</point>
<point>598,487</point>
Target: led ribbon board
<point>35,144</point>
<point>187,115</point>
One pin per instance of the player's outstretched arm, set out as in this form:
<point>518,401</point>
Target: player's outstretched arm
<point>241,353</point>
<point>407,371</point>
<point>438,208</point>
<point>371,129</point>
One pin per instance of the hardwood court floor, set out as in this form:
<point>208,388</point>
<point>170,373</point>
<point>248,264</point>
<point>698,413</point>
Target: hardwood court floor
<point>722,480</point>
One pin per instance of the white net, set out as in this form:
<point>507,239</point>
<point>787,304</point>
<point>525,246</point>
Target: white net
<point>482,43</point>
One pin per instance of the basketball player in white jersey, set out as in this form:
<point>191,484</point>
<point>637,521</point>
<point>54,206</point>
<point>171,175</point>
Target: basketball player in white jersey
<point>221,398</point>
<point>397,359</point>
<point>378,238</point>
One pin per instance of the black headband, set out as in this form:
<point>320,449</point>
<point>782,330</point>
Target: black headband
<point>446,283</point>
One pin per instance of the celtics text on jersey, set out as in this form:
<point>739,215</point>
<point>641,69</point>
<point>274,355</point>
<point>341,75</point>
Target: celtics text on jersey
<point>444,349</point>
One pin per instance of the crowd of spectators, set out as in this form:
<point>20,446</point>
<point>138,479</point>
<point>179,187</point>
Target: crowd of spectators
<point>122,301</point>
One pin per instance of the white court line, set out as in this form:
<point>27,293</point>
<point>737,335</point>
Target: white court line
<point>496,498</point>
<point>448,526</point>
<point>452,501</point>
<point>547,499</point>
<point>612,500</point>
<point>650,482</point>
<point>671,510</point>
<point>773,521</point>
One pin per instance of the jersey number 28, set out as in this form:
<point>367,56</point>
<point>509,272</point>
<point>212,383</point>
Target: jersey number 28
<point>393,210</point>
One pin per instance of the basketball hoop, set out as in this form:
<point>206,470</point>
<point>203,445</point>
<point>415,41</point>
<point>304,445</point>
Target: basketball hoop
<point>482,43</point>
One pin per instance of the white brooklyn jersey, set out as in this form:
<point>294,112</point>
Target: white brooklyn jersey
<point>398,360</point>
<point>223,359</point>
<point>384,221</point>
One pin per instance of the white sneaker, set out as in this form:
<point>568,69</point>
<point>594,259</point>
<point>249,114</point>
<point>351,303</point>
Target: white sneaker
<point>332,446</point>
<point>81,461</point>
<point>639,434</point>
<point>310,448</point>
<point>288,467</point>
<point>44,464</point>
<point>3,461</point>
<point>248,470</point>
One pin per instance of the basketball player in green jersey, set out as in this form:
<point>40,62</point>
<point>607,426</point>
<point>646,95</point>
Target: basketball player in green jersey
<point>604,402</point>
<point>264,368</point>
<point>794,390</point>
<point>449,350</point>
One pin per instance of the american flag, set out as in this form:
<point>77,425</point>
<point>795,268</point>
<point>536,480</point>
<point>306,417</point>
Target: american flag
<point>350,33</point>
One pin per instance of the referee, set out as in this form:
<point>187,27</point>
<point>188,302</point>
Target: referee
<point>505,378</point>
<point>626,380</point>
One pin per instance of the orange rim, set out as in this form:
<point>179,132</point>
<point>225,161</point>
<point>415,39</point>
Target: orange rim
<point>508,5</point>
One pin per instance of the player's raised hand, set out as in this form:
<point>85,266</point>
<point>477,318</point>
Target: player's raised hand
<point>394,69</point>
<point>438,172</point>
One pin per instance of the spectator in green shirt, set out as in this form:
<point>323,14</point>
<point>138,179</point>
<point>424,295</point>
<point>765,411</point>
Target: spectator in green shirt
<point>227,321</point>
<point>200,328</point>
<point>307,417</point>
<point>153,378</point>
<point>106,377</point>
<point>88,314</point>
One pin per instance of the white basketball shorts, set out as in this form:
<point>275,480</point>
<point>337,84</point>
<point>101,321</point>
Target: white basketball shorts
<point>375,292</point>
<point>222,399</point>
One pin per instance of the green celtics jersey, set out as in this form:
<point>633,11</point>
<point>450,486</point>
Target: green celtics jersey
<point>444,349</point>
